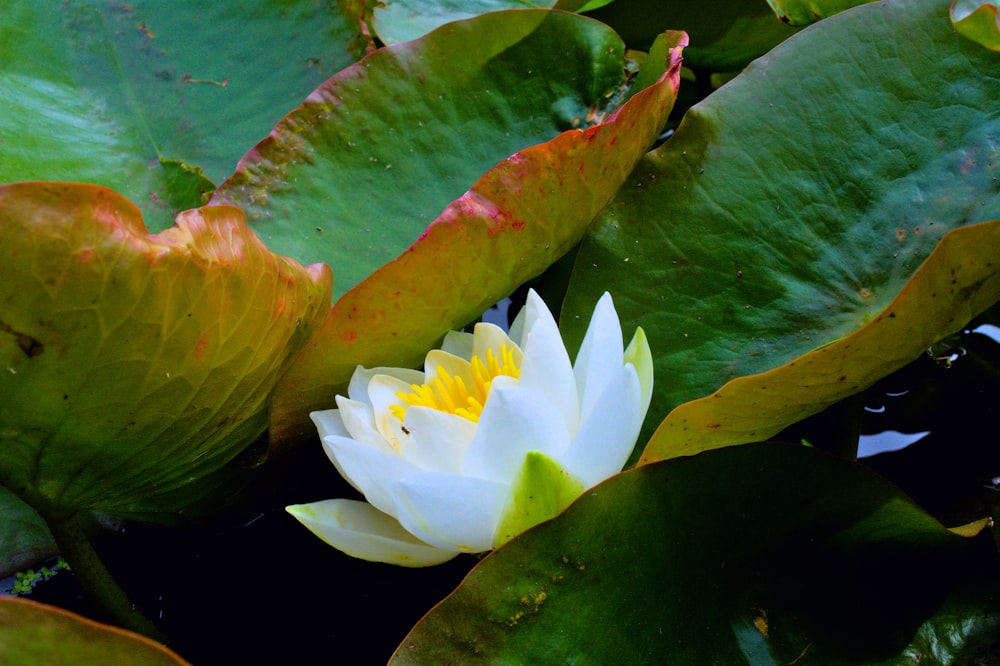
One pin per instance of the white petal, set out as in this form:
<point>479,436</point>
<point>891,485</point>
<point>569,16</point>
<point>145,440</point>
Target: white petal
<point>546,367</point>
<point>359,422</point>
<point>606,438</point>
<point>458,343</point>
<point>358,388</point>
<point>437,440</point>
<point>369,470</point>
<point>328,422</point>
<point>525,319</point>
<point>362,531</point>
<point>601,355</point>
<point>356,422</point>
<point>535,311</point>
<point>514,421</point>
<point>382,390</point>
<point>451,512</point>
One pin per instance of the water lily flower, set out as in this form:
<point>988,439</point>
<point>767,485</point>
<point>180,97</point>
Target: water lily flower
<point>499,433</point>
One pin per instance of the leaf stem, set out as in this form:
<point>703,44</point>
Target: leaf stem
<point>96,580</point>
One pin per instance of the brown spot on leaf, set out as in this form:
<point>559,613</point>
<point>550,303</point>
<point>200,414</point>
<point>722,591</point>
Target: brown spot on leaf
<point>29,345</point>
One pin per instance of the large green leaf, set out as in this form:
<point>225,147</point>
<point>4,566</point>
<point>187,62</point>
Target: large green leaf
<point>136,365</point>
<point>519,218</point>
<point>355,175</point>
<point>725,35</point>
<point>32,633</point>
<point>960,279</point>
<point>793,204</point>
<point>734,556</point>
<point>124,94</point>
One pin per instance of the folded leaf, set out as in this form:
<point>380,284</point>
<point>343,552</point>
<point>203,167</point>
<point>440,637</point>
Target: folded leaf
<point>353,176</point>
<point>136,365</point>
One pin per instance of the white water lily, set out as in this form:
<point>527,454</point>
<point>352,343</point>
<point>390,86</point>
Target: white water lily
<point>499,433</point>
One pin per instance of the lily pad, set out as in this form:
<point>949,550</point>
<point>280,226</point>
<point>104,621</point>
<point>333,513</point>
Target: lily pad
<point>733,556</point>
<point>793,205</point>
<point>960,279</point>
<point>375,154</point>
<point>112,93</point>
<point>33,633</point>
<point>137,366</point>
<point>519,218</point>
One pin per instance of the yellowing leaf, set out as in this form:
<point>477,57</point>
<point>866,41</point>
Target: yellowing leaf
<point>33,633</point>
<point>135,366</point>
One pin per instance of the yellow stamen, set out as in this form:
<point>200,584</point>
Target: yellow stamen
<point>450,394</point>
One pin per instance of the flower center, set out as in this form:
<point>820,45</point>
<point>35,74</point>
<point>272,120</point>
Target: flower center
<point>450,394</point>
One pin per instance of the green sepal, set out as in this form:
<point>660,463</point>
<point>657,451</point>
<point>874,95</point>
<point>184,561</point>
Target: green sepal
<point>541,490</point>
<point>638,354</point>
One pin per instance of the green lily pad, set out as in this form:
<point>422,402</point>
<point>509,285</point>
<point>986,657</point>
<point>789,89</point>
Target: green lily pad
<point>793,205</point>
<point>733,556</point>
<point>33,633</point>
<point>375,154</point>
<point>113,93</point>
<point>136,366</point>
<point>977,20</point>
<point>960,279</point>
<point>725,35</point>
<point>519,218</point>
